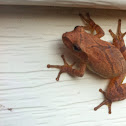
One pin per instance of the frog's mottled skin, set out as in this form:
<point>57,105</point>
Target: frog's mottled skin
<point>102,57</point>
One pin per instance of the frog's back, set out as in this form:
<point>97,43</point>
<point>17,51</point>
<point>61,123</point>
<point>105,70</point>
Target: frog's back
<point>105,59</point>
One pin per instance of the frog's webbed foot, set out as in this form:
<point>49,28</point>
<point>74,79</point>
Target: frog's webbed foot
<point>118,37</point>
<point>63,68</point>
<point>105,102</point>
<point>68,69</point>
<point>92,26</point>
<point>87,23</point>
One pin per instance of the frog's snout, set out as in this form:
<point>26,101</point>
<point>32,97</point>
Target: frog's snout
<point>68,39</point>
<point>68,36</point>
<point>65,37</point>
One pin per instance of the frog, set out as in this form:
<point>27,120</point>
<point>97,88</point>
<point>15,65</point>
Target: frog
<point>107,60</point>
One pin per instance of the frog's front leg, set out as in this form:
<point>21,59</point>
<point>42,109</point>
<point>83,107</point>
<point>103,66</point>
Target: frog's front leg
<point>92,26</point>
<point>68,69</point>
<point>116,91</point>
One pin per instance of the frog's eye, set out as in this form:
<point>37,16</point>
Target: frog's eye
<point>76,48</point>
<point>75,27</point>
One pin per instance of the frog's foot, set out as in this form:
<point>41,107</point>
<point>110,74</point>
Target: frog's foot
<point>92,26</point>
<point>118,37</point>
<point>87,23</point>
<point>119,34</point>
<point>64,68</point>
<point>105,102</point>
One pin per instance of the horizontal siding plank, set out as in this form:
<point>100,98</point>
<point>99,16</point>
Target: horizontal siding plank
<point>107,4</point>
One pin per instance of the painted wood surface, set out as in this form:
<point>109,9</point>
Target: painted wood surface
<point>30,38</point>
<point>108,4</point>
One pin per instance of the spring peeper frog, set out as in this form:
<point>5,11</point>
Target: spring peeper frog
<point>101,57</point>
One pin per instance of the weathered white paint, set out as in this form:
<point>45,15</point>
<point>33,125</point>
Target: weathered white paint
<point>108,4</point>
<point>30,38</point>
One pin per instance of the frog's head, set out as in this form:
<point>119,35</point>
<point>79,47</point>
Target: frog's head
<point>74,39</point>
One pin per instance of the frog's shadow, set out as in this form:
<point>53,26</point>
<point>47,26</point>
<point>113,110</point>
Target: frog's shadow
<point>70,58</point>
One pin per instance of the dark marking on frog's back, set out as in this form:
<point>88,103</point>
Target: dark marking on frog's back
<point>118,88</point>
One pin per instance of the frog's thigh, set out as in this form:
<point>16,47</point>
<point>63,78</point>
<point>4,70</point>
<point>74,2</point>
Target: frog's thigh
<point>116,91</point>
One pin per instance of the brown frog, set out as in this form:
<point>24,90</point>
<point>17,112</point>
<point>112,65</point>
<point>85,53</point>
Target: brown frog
<point>101,57</point>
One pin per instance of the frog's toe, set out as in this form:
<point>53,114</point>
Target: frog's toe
<point>119,35</point>
<point>63,68</point>
<point>105,102</point>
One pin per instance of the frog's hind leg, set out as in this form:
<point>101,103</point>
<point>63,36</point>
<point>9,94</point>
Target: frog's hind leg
<point>118,40</point>
<point>68,69</point>
<point>116,91</point>
<point>92,26</point>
